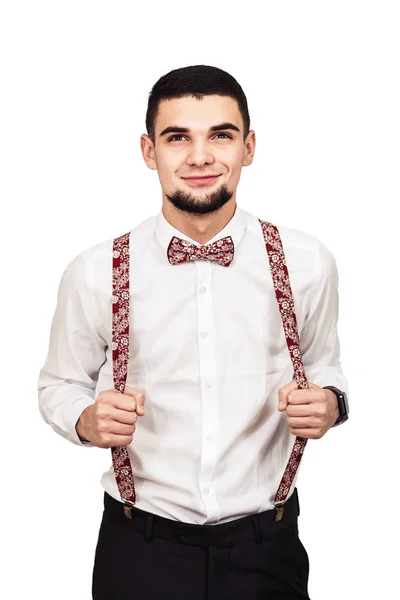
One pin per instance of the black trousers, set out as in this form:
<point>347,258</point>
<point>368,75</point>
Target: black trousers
<point>149,557</point>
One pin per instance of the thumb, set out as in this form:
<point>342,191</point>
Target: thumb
<point>139,397</point>
<point>282,405</point>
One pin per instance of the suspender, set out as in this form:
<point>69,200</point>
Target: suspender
<point>120,354</point>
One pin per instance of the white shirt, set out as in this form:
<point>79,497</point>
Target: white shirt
<point>207,348</point>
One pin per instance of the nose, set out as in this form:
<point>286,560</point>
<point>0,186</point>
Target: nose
<point>199,154</point>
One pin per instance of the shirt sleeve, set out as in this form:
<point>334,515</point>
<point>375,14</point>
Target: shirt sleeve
<point>68,378</point>
<point>319,341</point>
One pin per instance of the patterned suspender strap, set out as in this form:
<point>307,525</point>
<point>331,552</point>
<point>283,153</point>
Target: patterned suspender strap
<point>120,353</point>
<point>284,296</point>
<point>120,356</point>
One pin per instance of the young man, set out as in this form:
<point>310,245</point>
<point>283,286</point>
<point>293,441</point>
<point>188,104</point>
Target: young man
<point>211,408</point>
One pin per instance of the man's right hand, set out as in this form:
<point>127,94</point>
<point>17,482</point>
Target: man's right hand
<point>110,421</point>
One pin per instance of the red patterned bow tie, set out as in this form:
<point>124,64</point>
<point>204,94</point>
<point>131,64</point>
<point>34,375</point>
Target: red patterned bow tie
<point>181,250</point>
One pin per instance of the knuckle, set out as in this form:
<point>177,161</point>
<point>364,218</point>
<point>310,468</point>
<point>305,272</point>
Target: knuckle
<point>324,410</point>
<point>106,441</point>
<point>102,411</point>
<point>102,405</point>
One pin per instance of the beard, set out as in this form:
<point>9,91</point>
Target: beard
<point>200,205</point>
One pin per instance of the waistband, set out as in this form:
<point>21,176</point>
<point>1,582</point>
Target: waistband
<point>254,526</point>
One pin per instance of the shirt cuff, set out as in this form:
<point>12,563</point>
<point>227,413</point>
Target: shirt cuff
<point>72,413</point>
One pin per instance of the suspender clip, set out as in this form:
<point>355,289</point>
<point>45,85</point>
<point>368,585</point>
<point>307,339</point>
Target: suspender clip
<point>128,509</point>
<point>279,511</point>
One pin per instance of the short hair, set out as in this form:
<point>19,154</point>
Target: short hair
<point>197,81</point>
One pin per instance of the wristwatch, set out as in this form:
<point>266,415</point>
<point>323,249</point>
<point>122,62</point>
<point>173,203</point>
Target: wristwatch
<point>342,404</point>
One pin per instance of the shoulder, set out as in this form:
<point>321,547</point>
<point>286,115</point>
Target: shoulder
<point>303,249</point>
<point>93,264</point>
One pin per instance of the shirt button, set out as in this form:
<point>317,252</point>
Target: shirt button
<point>208,384</point>
<point>208,438</point>
<point>206,490</point>
<point>203,334</point>
<point>203,289</point>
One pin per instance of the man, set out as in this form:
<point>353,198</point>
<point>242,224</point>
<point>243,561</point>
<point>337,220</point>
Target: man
<point>211,408</point>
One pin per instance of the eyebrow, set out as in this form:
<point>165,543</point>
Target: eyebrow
<point>176,129</point>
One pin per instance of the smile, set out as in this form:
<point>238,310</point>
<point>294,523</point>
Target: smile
<point>201,180</point>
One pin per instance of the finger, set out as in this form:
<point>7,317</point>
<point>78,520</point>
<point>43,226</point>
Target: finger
<point>305,433</point>
<point>300,422</point>
<point>123,416</point>
<point>303,397</point>
<point>122,428</point>
<point>299,410</point>
<point>124,402</point>
<point>113,441</point>
<point>139,398</point>
<point>129,391</point>
<point>140,403</point>
<point>283,394</point>
<point>127,402</point>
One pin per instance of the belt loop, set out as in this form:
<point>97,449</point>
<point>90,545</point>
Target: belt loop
<point>257,529</point>
<point>149,528</point>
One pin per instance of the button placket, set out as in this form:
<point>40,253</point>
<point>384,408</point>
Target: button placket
<point>208,388</point>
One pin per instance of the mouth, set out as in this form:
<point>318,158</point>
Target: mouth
<point>204,180</point>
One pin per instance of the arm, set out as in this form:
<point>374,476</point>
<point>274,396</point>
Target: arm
<point>319,342</point>
<point>67,381</point>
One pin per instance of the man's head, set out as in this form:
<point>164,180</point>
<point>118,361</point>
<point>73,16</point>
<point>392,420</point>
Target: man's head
<point>198,124</point>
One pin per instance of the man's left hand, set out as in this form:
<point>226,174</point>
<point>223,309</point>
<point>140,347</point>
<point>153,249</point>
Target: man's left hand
<point>310,412</point>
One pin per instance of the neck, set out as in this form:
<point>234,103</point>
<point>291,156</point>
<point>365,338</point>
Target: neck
<point>200,228</point>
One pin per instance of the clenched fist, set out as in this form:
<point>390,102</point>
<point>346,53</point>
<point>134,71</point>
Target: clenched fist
<point>111,420</point>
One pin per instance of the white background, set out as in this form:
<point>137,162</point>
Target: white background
<point>322,83</point>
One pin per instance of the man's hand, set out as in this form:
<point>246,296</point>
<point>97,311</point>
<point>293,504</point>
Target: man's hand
<point>111,420</point>
<point>310,412</point>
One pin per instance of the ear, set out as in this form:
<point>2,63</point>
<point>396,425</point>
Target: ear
<point>147,148</point>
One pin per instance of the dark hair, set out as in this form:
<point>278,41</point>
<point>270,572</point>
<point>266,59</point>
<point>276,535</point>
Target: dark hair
<point>197,81</point>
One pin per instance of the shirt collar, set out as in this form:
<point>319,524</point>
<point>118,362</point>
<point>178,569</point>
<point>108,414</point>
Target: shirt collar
<point>235,228</point>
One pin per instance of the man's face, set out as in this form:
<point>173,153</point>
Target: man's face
<point>199,150</point>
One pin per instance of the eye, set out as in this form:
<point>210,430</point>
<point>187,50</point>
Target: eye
<point>180,135</point>
<point>174,136</point>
